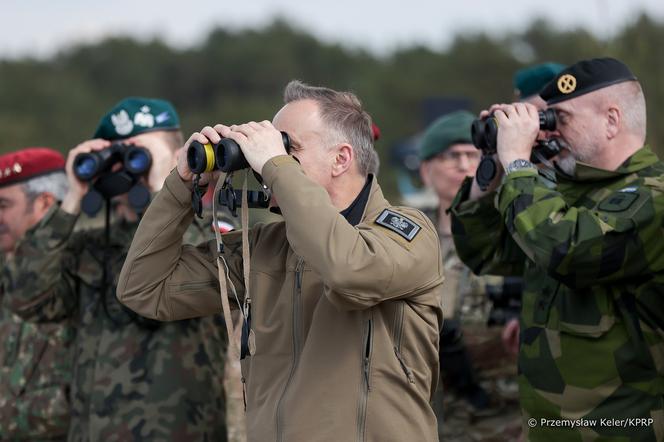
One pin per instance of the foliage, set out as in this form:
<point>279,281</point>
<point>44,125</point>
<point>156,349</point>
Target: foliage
<point>239,76</point>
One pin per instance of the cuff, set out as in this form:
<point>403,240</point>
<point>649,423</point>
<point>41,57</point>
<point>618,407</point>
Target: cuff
<point>515,185</point>
<point>275,166</point>
<point>461,205</point>
<point>178,188</point>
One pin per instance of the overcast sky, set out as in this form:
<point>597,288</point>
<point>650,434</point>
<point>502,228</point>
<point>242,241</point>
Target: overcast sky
<point>41,27</point>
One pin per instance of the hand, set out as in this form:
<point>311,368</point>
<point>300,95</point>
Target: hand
<point>206,135</point>
<point>511,337</point>
<point>259,142</point>
<point>518,126</point>
<point>77,188</point>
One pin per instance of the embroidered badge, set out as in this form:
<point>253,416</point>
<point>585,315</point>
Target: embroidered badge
<point>144,118</point>
<point>567,84</point>
<point>162,117</point>
<point>122,123</point>
<point>398,223</point>
<point>618,201</point>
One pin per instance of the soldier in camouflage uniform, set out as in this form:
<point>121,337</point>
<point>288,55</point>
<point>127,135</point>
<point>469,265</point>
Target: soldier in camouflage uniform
<point>591,341</point>
<point>35,359</point>
<point>480,400</point>
<point>134,379</point>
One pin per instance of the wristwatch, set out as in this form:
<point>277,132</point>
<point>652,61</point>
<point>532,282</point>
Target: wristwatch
<point>519,164</point>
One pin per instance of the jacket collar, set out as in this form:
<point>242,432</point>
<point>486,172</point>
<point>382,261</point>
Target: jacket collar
<point>376,202</point>
<point>641,159</point>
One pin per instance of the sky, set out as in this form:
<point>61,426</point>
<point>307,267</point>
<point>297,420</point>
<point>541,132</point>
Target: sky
<point>39,28</point>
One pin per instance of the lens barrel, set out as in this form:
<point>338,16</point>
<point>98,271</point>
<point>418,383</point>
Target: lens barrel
<point>484,131</point>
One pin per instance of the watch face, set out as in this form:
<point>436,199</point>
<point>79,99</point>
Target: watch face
<point>519,164</point>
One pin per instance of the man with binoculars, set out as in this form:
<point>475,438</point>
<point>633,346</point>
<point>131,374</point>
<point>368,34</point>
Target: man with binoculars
<point>134,378</point>
<point>345,310</point>
<point>590,249</point>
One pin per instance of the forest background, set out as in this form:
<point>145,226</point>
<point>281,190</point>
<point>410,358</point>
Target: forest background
<point>237,76</point>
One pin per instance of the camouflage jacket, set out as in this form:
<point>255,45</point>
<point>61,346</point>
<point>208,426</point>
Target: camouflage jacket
<point>35,372</point>
<point>592,255</point>
<point>134,379</point>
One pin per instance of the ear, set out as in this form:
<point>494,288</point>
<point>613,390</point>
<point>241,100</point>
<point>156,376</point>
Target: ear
<point>613,122</point>
<point>42,203</point>
<point>425,173</point>
<point>344,158</point>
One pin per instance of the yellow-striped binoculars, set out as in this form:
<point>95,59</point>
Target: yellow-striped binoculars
<point>225,155</point>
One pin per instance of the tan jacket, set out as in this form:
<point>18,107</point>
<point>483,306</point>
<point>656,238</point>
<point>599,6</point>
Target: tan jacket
<point>346,318</point>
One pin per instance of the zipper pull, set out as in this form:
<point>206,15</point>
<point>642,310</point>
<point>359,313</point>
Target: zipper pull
<point>404,367</point>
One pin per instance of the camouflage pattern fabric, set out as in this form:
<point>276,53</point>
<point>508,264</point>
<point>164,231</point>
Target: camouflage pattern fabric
<point>464,298</point>
<point>592,338</point>
<point>134,379</point>
<point>35,372</point>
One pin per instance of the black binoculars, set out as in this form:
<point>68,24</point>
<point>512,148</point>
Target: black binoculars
<point>97,166</point>
<point>484,131</point>
<point>136,160</point>
<point>225,155</point>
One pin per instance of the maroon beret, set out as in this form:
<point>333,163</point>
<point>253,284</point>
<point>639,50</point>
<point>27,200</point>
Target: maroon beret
<point>29,163</point>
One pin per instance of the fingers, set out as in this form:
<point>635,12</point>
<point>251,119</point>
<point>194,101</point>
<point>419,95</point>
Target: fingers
<point>196,136</point>
<point>211,134</point>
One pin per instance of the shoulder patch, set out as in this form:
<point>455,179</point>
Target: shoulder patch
<point>618,201</point>
<point>398,223</point>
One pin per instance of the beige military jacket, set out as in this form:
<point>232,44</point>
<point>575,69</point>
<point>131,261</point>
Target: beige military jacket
<point>346,318</point>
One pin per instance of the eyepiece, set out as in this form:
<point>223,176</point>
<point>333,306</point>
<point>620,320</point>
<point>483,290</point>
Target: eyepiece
<point>200,157</point>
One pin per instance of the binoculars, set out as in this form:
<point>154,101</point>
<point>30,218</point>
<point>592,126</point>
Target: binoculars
<point>136,160</point>
<point>225,155</point>
<point>97,166</point>
<point>484,131</point>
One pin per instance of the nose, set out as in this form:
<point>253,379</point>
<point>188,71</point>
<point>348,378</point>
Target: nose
<point>463,163</point>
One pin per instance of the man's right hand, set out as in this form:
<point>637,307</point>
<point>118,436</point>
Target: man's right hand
<point>77,188</point>
<point>206,135</point>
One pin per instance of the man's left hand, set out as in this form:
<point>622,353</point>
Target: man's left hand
<point>518,127</point>
<point>259,142</point>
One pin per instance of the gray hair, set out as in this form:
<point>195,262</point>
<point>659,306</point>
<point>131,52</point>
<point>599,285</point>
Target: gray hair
<point>54,183</point>
<point>342,113</point>
<point>629,96</point>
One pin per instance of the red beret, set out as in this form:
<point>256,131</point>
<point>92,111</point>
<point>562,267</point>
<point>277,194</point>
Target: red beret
<point>375,131</point>
<point>29,163</point>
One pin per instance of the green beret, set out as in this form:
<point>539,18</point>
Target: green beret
<point>135,115</point>
<point>447,130</point>
<point>530,80</point>
<point>585,76</point>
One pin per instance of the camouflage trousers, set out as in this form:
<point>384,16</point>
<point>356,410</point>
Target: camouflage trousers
<point>458,419</point>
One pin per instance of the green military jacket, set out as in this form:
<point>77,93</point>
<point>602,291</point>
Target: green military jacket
<point>134,379</point>
<point>35,372</point>
<point>592,323</point>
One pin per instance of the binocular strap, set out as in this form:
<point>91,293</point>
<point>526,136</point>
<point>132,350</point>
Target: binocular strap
<point>234,330</point>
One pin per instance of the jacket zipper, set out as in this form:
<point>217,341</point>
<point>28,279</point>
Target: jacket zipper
<point>297,308</point>
<point>398,333</point>
<point>366,386</point>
